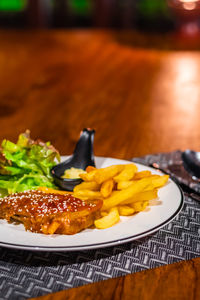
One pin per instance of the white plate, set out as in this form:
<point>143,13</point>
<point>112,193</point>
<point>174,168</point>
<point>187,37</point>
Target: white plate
<point>128,229</point>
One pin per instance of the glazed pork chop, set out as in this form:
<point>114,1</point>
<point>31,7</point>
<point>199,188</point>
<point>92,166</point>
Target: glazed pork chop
<point>49,213</point>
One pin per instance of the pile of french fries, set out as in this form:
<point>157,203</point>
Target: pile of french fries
<point>123,189</point>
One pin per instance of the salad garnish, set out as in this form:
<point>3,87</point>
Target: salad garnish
<point>26,165</point>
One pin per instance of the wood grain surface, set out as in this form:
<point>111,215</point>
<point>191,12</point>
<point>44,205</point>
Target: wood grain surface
<point>139,100</point>
<point>179,281</point>
<point>139,97</point>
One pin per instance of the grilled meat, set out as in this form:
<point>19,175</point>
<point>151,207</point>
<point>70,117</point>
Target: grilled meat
<point>49,213</point>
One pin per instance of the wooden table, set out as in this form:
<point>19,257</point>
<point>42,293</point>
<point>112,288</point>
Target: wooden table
<point>141,95</point>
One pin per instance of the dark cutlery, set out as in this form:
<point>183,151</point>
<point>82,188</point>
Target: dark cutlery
<point>191,162</point>
<point>186,189</point>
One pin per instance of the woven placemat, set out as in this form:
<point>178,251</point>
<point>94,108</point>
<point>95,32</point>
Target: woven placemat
<point>26,274</point>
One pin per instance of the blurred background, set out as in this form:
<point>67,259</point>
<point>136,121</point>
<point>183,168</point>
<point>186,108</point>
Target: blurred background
<point>71,74</point>
<point>144,15</point>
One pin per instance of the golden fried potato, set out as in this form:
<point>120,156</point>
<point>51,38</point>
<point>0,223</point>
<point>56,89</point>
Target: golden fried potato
<point>139,206</point>
<point>160,181</point>
<point>53,191</point>
<point>109,220</point>
<point>104,174</point>
<point>122,188</point>
<point>53,227</point>
<point>87,185</point>
<point>89,169</point>
<point>88,176</point>
<point>143,196</point>
<point>142,174</point>
<point>107,187</point>
<point>87,194</point>
<point>125,210</point>
<point>125,184</point>
<point>125,194</point>
<point>121,185</point>
<point>155,181</point>
<point>104,213</point>
<point>127,173</point>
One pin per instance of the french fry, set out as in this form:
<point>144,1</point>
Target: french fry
<point>160,181</point>
<point>143,196</point>
<point>53,191</point>
<point>109,220</point>
<point>142,174</point>
<point>155,181</point>
<point>139,206</point>
<point>122,188</point>
<point>89,169</point>
<point>87,195</point>
<point>50,229</point>
<point>104,174</point>
<point>125,210</point>
<point>127,173</point>
<point>87,185</point>
<point>125,194</point>
<point>125,184</point>
<point>106,188</point>
<point>104,213</point>
<point>154,176</point>
<point>53,227</point>
<point>121,185</point>
<point>88,176</point>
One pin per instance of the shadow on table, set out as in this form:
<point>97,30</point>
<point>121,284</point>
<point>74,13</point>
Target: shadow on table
<point>49,259</point>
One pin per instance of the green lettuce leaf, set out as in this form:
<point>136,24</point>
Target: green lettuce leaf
<point>26,165</point>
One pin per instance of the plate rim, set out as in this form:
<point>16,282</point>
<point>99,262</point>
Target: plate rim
<point>103,244</point>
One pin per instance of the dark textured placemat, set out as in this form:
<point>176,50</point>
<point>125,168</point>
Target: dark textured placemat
<point>25,274</point>
<point>172,164</point>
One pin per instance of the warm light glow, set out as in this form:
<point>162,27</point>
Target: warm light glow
<point>189,5</point>
<point>185,88</point>
<point>186,71</point>
<point>189,1</point>
<point>178,82</point>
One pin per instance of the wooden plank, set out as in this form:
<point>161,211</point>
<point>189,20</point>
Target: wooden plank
<point>139,101</point>
<point>178,281</point>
